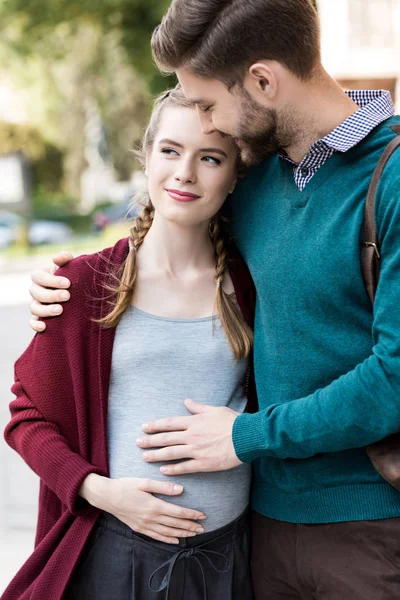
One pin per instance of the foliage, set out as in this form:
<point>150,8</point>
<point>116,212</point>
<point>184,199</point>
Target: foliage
<point>132,20</point>
<point>48,171</point>
<point>45,158</point>
<point>52,204</point>
<point>65,72</point>
<point>17,138</point>
<point>59,206</point>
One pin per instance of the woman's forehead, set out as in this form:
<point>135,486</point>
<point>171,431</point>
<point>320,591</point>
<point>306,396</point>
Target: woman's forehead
<point>182,125</point>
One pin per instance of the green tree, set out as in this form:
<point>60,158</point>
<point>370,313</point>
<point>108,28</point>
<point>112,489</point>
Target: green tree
<point>132,20</point>
<point>64,70</point>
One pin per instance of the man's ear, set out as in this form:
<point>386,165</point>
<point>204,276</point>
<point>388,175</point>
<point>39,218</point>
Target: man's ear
<point>262,79</point>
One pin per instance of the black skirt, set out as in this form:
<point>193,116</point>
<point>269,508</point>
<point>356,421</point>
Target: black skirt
<point>119,564</point>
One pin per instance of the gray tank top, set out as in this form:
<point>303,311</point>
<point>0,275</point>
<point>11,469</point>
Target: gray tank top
<point>157,362</point>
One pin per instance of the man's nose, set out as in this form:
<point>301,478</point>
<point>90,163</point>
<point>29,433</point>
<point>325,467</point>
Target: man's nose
<point>206,122</point>
<point>209,127</point>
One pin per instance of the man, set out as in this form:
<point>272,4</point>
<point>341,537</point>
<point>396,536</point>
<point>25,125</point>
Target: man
<point>326,525</point>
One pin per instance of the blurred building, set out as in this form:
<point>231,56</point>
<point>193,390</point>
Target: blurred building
<point>12,100</point>
<point>361,43</point>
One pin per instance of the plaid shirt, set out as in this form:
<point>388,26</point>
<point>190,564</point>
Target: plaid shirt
<point>375,106</point>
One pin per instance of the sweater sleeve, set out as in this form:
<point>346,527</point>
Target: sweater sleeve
<point>41,445</point>
<point>44,421</point>
<point>363,405</point>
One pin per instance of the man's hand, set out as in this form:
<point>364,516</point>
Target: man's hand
<point>205,438</point>
<point>43,279</point>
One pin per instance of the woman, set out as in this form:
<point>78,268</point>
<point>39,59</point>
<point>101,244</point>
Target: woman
<point>138,337</point>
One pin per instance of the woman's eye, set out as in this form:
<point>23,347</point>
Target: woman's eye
<point>211,160</point>
<point>169,152</point>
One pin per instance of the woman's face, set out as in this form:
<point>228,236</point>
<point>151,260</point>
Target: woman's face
<point>190,173</point>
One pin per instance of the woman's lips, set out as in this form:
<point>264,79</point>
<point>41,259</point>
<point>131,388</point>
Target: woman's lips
<point>182,196</point>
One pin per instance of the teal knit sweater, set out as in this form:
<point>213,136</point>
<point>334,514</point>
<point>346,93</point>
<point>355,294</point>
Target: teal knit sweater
<point>327,369</point>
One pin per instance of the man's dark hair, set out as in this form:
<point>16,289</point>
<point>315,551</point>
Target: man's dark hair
<point>221,38</point>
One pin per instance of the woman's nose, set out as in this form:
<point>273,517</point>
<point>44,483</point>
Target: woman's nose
<point>186,172</point>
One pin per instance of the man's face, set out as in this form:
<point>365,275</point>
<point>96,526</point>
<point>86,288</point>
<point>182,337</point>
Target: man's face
<point>254,127</point>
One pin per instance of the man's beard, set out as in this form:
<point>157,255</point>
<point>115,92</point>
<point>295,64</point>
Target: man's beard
<point>255,148</point>
<point>259,134</point>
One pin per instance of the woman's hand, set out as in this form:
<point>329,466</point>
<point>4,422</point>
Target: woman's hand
<point>47,288</point>
<point>131,500</point>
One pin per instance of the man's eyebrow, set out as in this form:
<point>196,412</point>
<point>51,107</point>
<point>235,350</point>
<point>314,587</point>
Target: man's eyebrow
<point>199,101</point>
<point>214,150</point>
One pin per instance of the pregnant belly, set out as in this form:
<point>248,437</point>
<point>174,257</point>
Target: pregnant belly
<point>222,496</point>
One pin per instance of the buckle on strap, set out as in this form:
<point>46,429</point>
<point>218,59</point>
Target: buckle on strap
<point>196,553</point>
<point>375,247</point>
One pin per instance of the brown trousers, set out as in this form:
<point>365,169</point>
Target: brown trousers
<point>358,560</point>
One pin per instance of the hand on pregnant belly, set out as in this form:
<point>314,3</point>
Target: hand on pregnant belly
<point>131,500</point>
<point>205,439</point>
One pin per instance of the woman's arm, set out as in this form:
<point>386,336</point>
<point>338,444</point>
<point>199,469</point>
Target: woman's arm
<point>81,486</point>
<point>41,445</point>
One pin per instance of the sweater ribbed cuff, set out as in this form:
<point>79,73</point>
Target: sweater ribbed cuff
<point>70,480</point>
<point>248,437</point>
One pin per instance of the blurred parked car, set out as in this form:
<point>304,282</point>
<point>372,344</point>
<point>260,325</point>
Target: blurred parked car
<point>40,231</point>
<point>49,232</point>
<point>116,212</point>
<point>7,236</point>
<point>10,228</point>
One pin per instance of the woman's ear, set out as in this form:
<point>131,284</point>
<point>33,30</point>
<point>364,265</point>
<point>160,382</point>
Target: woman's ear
<point>233,185</point>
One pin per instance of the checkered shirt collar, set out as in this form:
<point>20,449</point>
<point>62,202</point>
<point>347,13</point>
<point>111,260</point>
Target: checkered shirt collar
<point>375,107</point>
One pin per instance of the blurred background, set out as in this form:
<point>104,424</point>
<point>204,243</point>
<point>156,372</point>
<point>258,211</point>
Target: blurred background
<point>76,86</point>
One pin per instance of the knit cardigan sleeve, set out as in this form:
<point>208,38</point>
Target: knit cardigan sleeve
<point>42,446</point>
<point>45,424</point>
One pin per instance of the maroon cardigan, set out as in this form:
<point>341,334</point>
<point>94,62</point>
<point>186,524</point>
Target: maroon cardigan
<point>59,417</point>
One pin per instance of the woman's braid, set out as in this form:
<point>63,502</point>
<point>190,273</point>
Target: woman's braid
<point>220,253</point>
<point>238,333</point>
<point>142,225</point>
<point>123,293</point>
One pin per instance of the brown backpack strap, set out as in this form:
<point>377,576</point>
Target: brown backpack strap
<point>370,256</point>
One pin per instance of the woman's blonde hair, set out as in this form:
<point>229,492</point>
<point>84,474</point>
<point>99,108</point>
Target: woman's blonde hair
<point>237,331</point>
